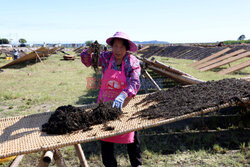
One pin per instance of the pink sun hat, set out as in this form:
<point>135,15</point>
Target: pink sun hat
<point>122,35</point>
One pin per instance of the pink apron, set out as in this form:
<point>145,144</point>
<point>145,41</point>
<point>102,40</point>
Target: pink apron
<point>113,82</point>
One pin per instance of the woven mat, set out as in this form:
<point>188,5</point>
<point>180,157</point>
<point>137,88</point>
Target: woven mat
<point>22,135</point>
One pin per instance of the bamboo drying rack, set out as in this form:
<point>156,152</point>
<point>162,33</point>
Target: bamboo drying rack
<point>22,134</point>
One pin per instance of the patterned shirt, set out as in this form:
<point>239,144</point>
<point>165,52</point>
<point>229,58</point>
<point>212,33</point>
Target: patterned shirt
<point>131,67</point>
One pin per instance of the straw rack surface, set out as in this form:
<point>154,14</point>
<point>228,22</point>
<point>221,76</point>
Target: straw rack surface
<point>22,135</point>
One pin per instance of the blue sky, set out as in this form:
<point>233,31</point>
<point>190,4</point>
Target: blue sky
<point>179,21</point>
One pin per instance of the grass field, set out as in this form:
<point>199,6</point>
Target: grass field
<point>39,87</point>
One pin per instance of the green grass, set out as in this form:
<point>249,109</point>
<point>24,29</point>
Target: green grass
<point>39,87</point>
<point>51,83</point>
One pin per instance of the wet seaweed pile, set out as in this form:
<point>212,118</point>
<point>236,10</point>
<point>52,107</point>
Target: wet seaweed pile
<point>183,100</point>
<point>67,119</point>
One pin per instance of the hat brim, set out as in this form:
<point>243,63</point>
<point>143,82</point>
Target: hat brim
<point>132,45</point>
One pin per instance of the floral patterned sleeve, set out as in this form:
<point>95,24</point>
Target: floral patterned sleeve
<point>86,58</point>
<point>133,79</point>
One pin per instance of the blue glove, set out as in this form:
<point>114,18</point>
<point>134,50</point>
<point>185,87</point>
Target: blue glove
<point>119,100</point>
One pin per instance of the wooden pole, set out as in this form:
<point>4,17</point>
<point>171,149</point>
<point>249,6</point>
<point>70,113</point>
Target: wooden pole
<point>81,155</point>
<point>151,79</point>
<point>181,78</point>
<point>220,58</point>
<point>226,61</point>
<point>38,56</point>
<point>166,68</point>
<point>41,162</point>
<point>235,68</point>
<point>17,161</point>
<point>174,73</point>
<point>171,69</point>
<point>59,158</point>
<point>213,56</point>
<point>146,47</point>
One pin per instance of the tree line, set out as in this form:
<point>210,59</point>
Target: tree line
<point>6,41</point>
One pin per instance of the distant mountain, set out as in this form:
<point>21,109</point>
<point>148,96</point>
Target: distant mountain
<point>151,42</point>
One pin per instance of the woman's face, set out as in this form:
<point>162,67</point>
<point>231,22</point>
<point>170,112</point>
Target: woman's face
<point>119,49</point>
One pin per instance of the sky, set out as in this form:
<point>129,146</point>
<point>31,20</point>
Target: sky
<point>77,21</point>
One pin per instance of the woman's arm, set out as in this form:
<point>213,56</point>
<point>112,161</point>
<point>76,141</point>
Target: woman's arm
<point>133,82</point>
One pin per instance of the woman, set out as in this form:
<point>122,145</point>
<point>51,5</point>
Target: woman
<point>120,81</point>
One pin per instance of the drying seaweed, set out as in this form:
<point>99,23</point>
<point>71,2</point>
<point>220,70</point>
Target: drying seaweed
<point>107,128</point>
<point>96,54</point>
<point>67,119</point>
<point>179,100</point>
<point>186,52</point>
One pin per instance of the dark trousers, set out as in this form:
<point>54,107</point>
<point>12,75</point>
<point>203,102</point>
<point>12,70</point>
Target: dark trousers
<point>133,149</point>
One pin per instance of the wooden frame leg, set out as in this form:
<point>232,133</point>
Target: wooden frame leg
<point>81,156</point>
<point>59,159</point>
<point>17,161</point>
<point>151,79</point>
<point>41,162</point>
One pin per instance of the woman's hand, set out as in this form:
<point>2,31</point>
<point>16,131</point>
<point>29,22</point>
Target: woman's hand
<point>119,100</point>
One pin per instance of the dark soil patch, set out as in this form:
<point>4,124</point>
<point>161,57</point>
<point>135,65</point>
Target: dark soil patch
<point>67,119</point>
<point>179,101</point>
